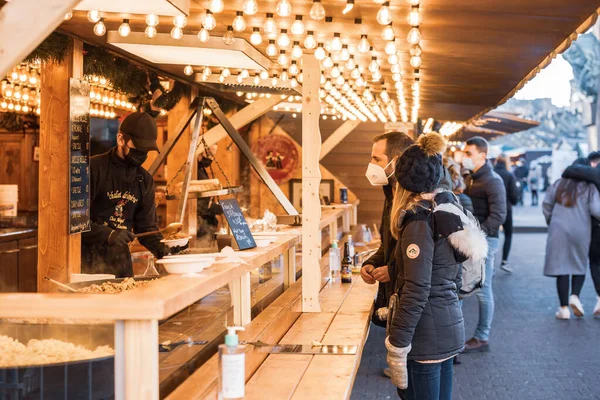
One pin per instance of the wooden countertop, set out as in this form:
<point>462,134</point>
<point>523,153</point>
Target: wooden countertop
<point>155,301</point>
<point>8,234</point>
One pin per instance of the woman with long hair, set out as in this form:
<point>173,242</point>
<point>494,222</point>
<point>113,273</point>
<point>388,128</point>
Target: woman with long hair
<point>426,329</point>
<point>569,207</point>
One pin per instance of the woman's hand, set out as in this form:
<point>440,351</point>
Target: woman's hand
<point>381,274</point>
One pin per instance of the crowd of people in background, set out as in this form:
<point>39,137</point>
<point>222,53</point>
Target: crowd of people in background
<point>442,221</point>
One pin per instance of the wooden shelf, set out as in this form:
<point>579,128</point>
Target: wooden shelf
<point>209,193</point>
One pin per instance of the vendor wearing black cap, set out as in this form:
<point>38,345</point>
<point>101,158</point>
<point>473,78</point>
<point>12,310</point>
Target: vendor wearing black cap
<point>122,200</point>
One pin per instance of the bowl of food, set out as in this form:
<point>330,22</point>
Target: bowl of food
<point>176,239</point>
<point>185,264</point>
<point>263,241</point>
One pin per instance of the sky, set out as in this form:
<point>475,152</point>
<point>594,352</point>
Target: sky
<point>552,82</point>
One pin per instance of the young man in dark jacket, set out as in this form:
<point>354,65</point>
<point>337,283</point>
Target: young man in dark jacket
<point>512,198</point>
<point>486,190</point>
<point>591,174</point>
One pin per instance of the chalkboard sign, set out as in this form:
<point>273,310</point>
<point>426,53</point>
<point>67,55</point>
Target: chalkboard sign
<point>237,223</point>
<point>79,164</point>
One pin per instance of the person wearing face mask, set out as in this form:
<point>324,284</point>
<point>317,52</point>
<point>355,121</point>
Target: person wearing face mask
<point>122,201</point>
<point>487,192</point>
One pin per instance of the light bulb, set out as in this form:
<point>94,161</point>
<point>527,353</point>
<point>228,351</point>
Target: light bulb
<point>374,65</point>
<point>363,45</point>
<point>282,59</point>
<point>209,23</point>
<point>298,26</point>
<point>284,76</point>
<point>221,78</point>
<point>271,49</point>
<point>203,35</point>
<point>125,29</point>
<point>310,42</point>
<point>216,6</point>
<point>335,71</point>
<point>188,70</point>
<point>228,37</point>
<point>300,77</point>
<point>250,7</point>
<point>68,16</point>
<point>336,42</point>
<point>264,75</point>
<point>11,106</point>
<point>296,50</point>
<point>274,80</point>
<point>388,33</point>
<point>180,21</point>
<point>17,107</point>
<point>349,6</point>
<point>93,16</point>
<point>413,2</point>
<point>396,69</point>
<point>415,61</point>
<point>150,32</point>
<point>176,33</point>
<point>239,79</point>
<point>23,77</point>
<point>283,40</point>
<point>376,76</point>
<point>152,20</point>
<point>294,68</point>
<point>414,36</point>
<point>416,50</point>
<point>226,73</point>
<point>396,77</point>
<point>206,71</point>
<point>393,59</point>
<point>256,37</point>
<point>270,27</point>
<point>328,62</point>
<point>385,97</point>
<point>239,24</point>
<point>256,80</point>
<point>317,11</point>
<point>100,28</point>
<point>340,80</point>
<point>384,15</point>
<point>414,17</point>
<point>293,83</point>
<point>320,52</point>
<point>345,54</point>
<point>355,73</point>
<point>390,48</point>
<point>350,64</point>
<point>283,8</point>
<point>328,85</point>
<point>416,86</point>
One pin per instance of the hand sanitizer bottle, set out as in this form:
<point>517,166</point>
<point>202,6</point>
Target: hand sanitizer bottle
<point>334,261</point>
<point>232,366</point>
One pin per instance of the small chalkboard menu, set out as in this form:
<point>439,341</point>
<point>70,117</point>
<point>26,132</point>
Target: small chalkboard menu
<point>79,163</point>
<point>237,223</point>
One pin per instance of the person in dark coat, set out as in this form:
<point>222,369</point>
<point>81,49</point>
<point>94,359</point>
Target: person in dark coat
<point>521,173</point>
<point>122,201</point>
<point>591,174</point>
<point>427,328</point>
<point>486,190</point>
<point>502,168</point>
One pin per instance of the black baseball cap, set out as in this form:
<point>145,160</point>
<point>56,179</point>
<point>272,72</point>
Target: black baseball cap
<point>141,127</point>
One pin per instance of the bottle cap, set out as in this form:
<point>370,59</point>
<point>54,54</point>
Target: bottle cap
<point>334,244</point>
<point>231,339</point>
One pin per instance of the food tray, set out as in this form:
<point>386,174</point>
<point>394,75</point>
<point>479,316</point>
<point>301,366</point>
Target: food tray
<point>81,285</point>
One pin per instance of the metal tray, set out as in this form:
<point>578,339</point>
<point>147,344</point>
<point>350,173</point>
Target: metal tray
<point>81,285</point>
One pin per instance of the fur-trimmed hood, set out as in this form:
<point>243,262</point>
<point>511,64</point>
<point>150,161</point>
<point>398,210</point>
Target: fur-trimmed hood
<point>468,239</point>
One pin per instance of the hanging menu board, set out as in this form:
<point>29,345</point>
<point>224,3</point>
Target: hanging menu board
<point>79,164</point>
<point>237,223</point>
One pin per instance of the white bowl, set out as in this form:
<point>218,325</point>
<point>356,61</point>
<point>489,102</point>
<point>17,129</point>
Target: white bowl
<point>185,265</point>
<point>263,242</point>
<point>176,242</point>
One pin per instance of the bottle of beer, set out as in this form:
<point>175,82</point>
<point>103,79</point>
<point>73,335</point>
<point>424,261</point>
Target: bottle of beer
<point>346,265</point>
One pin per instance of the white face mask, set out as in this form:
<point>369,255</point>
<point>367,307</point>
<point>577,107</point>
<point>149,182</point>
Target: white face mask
<point>468,163</point>
<point>376,174</point>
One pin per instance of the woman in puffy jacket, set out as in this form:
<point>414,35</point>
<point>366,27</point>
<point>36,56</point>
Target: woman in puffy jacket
<point>434,237</point>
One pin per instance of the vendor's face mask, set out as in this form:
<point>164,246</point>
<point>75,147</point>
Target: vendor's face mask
<point>376,174</point>
<point>135,157</point>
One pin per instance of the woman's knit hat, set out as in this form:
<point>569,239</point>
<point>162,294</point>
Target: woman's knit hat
<point>420,168</point>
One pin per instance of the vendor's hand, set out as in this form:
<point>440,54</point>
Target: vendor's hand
<point>381,274</point>
<point>120,237</point>
<point>365,273</point>
<point>396,359</point>
<point>178,249</point>
<point>163,250</point>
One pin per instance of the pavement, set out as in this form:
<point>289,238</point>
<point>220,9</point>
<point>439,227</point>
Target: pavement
<point>532,355</point>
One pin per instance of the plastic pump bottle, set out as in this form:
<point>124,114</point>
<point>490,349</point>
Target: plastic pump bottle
<point>334,261</point>
<point>232,366</point>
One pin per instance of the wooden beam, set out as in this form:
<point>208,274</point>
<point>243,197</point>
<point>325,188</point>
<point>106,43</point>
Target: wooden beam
<point>337,136</point>
<point>24,24</point>
<point>59,254</point>
<point>242,118</point>
<point>311,179</point>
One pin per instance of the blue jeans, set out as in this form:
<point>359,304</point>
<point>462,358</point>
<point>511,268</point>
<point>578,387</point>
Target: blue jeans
<point>485,296</point>
<point>428,381</point>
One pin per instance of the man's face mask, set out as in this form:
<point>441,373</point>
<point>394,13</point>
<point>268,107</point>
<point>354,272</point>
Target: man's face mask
<point>468,164</point>
<point>135,157</point>
<point>376,174</point>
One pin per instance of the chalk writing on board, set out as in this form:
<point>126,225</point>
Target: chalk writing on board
<point>237,223</point>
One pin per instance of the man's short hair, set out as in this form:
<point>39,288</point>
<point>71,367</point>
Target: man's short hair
<point>396,143</point>
<point>594,156</point>
<point>479,142</point>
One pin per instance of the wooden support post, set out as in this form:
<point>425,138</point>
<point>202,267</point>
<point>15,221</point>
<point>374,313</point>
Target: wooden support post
<point>289,267</point>
<point>241,298</point>
<point>311,179</point>
<point>136,360</point>
<point>354,215</point>
<point>24,24</point>
<point>333,230</point>
<point>337,136</point>
<point>59,254</point>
